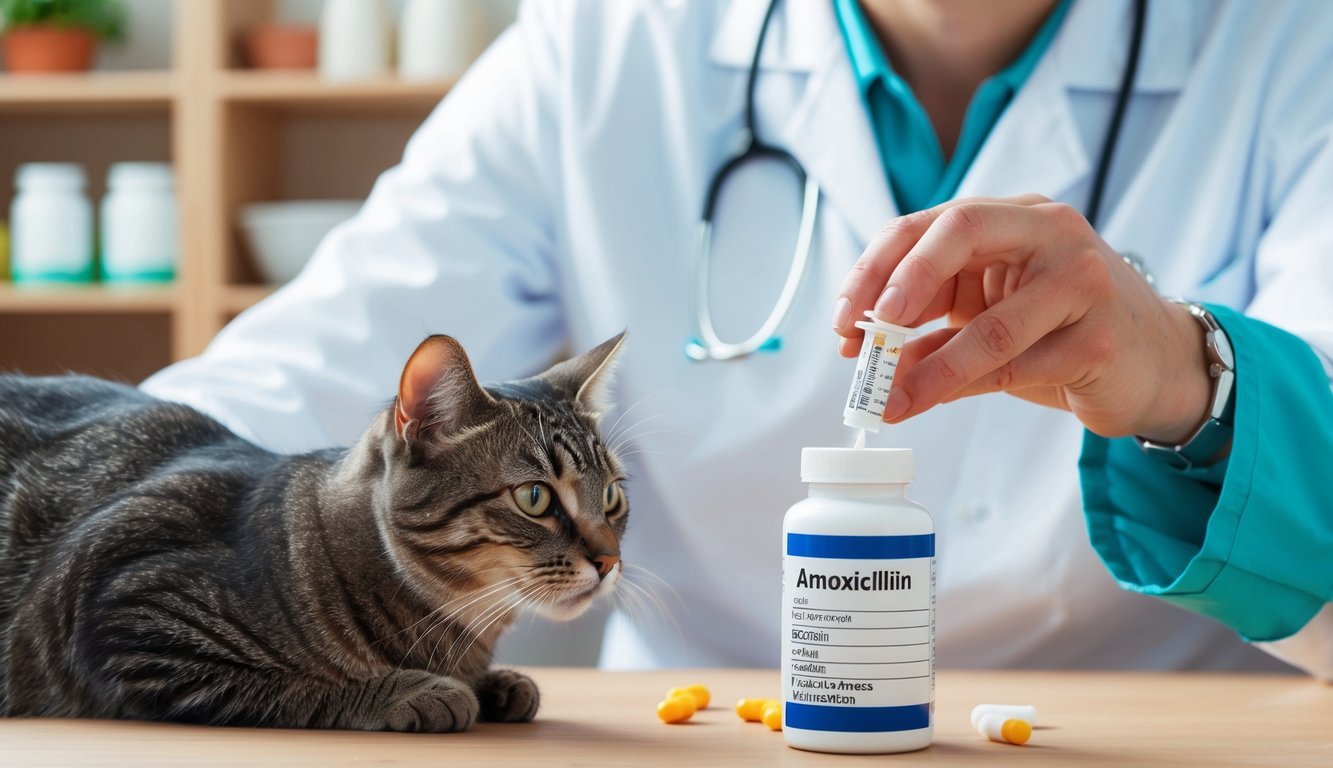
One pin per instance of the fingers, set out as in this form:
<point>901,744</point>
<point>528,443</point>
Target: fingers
<point>974,236</point>
<point>987,345</point>
<point>870,273</point>
<point>947,301</point>
<point>1043,368</point>
<point>939,294</point>
<point>921,347</point>
<point>987,227</point>
<point>850,347</point>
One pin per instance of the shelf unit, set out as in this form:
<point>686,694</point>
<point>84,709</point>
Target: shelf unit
<point>86,299</point>
<point>79,94</point>
<point>235,136</point>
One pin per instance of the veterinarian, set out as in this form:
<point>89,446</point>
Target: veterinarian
<point>1157,456</point>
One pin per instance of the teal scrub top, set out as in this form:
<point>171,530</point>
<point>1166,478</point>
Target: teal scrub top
<point>1250,545</point>
<point>914,163</point>
<point>1248,541</point>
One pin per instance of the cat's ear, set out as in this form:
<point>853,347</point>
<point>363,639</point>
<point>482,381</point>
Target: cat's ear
<point>587,379</point>
<point>438,392</point>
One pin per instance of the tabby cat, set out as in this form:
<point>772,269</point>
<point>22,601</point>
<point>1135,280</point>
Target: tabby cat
<point>153,565</point>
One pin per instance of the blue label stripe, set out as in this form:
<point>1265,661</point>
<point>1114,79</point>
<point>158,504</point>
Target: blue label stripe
<point>816,717</point>
<point>861,547</point>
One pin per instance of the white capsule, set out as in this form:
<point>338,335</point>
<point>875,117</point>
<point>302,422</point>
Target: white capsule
<point>1025,712</point>
<point>1006,730</point>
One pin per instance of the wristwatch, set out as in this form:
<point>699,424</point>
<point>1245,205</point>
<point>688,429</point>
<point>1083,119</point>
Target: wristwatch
<point>1213,434</point>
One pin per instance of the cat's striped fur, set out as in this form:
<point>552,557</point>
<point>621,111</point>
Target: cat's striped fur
<point>153,565</point>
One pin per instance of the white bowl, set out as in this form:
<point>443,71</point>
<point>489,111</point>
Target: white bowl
<point>283,235</point>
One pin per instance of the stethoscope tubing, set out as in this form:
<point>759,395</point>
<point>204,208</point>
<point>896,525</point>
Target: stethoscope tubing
<point>705,344</point>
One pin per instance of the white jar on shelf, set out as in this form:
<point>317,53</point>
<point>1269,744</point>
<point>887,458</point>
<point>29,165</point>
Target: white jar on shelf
<point>51,222</point>
<point>139,223</point>
<point>440,38</point>
<point>355,40</point>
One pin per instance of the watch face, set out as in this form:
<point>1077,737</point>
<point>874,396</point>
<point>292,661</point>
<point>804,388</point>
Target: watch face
<point>1209,439</point>
<point>1219,348</point>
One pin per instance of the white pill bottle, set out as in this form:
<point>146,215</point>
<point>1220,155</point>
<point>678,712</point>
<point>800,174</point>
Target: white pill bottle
<point>858,606</point>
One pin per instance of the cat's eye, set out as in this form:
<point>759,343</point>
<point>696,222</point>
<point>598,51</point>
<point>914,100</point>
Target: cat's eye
<point>534,499</point>
<point>611,499</point>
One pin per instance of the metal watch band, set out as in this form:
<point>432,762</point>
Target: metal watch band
<point>1213,434</point>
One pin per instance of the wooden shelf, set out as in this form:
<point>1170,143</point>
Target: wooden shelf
<point>233,136</point>
<point>91,92</point>
<point>90,299</point>
<point>305,92</point>
<point>238,298</point>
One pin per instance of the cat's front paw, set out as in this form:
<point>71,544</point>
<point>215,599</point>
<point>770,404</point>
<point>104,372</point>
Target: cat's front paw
<point>426,703</point>
<point>507,696</point>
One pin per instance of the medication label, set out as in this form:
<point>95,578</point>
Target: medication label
<point>858,643</point>
<point>874,376</point>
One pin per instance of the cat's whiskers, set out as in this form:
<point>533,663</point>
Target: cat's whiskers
<point>637,452</point>
<point>445,584</point>
<point>501,610</point>
<point>472,597</point>
<point>450,609</point>
<point>540,594</point>
<point>643,599</point>
<point>648,591</point>
<point>648,573</point>
<point>445,606</point>
<point>630,601</point>
<point>611,433</point>
<point>625,436</point>
<point>630,439</point>
<point>495,608</point>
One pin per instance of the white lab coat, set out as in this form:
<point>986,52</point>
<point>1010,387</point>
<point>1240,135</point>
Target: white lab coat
<point>550,202</point>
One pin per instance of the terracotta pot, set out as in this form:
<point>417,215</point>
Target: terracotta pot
<point>282,46</point>
<point>47,48</point>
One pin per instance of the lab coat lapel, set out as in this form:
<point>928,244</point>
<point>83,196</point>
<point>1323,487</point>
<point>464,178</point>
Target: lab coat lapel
<point>827,129</point>
<point>830,134</point>
<point>1036,146</point>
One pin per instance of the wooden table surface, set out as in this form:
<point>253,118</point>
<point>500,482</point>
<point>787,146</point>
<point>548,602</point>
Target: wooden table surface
<point>607,719</point>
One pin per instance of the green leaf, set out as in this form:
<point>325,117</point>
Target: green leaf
<point>103,18</point>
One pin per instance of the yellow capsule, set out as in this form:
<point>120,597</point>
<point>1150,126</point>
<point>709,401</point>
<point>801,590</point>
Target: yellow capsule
<point>677,709</point>
<point>773,715</point>
<point>751,710</point>
<point>1004,729</point>
<point>1016,731</point>
<point>697,692</point>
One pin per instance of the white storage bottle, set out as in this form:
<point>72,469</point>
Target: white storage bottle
<point>440,38</point>
<point>139,227</point>
<point>355,40</point>
<point>51,224</point>
<point>858,607</point>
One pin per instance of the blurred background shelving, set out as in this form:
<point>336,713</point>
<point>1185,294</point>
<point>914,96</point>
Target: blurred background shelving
<point>180,93</point>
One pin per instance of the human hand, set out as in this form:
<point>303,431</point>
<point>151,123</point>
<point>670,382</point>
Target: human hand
<point>1037,305</point>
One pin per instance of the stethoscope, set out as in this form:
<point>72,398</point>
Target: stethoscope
<point>705,344</point>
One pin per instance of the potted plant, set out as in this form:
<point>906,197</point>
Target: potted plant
<point>57,35</point>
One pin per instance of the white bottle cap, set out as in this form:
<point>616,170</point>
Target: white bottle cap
<point>857,465</point>
<point>139,176</point>
<point>61,176</point>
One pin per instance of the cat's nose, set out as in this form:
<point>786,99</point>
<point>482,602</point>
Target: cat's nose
<point>604,563</point>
